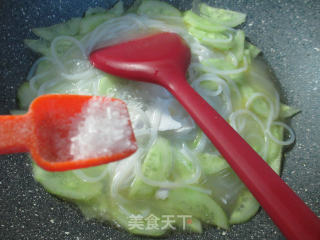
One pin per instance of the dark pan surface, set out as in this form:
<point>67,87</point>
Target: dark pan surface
<point>287,32</point>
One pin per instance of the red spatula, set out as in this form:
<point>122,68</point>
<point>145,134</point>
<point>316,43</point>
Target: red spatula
<point>163,59</point>
<point>45,132</point>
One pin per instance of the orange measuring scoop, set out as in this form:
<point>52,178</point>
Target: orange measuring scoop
<point>49,119</point>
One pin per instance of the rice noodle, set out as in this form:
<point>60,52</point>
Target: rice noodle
<point>84,177</point>
<point>285,126</point>
<point>83,75</point>
<point>35,66</point>
<point>236,114</point>
<point>201,144</point>
<point>272,114</point>
<point>54,53</point>
<point>234,86</point>
<point>197,85</point>
<point>125,170</point>
<point>212,69</point>
<point>48,84</point>
<point>35,78</point>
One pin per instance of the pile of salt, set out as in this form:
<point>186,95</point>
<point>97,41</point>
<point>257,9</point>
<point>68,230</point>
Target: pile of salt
<point>101,129</point>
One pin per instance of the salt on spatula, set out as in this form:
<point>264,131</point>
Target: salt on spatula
<point>65,132</point>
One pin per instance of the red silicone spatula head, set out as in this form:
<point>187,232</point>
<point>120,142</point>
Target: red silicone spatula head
<point>146,59</point>
<point>46,131</point>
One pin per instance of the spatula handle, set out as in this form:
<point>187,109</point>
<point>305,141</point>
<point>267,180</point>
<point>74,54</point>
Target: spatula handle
<point>14,133</point>
<point>287,210</point>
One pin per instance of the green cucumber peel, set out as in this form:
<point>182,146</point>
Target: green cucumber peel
<point>215,40</point>
<point>156,166</point>
<point>287,111</point>
<point>199,205</point>
<point>222,16</point>
<point>38,45</point>
<point>154,8</point>
<point>66,184</point>
<point>201,23</point>
<point>245,208</point>
<point>211,164</point>
<point>253,50</point>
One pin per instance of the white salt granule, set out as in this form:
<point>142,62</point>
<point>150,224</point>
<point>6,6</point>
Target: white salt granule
<point>162,194</point>
<point>101,129</point>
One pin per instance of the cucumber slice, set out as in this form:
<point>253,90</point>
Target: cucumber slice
<point>153,8</point>
<point>67,184</point>
<point>97,207</point>
<point>274,149</point>
<point>238,46</point>
<point>202,23</point>
<point>213,39</point>
<point>276,164</point>
<point>287,111</point>
<point>253,50</point>
<point>38,45</point>
<point>211,164</point>
<point>69,28</point>
<point>117,9</point>
<point>209,85</point>
<point>157,166</point>
<point>245,208</point>
<point>158,162</point>
<point>261,107</point>
<point>218,63</point>
<point>183,167</point>
<point>224,64</point>
<point>25,95</point>
<point>198,205</point>
<point>222,16</point>
<point>141,190</point>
